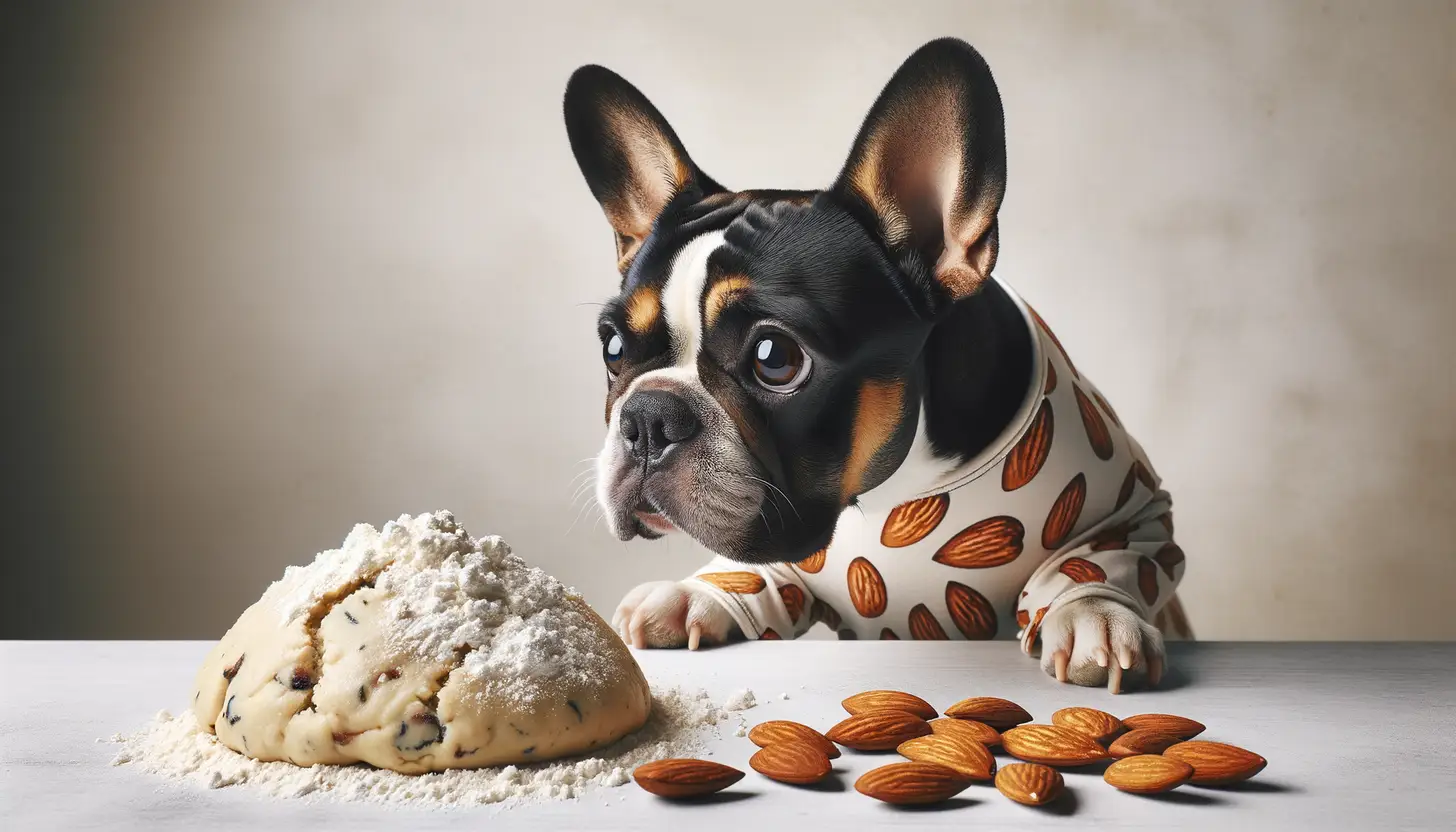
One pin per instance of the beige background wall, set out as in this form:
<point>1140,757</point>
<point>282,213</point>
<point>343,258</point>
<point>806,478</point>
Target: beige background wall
<point>299,265</point>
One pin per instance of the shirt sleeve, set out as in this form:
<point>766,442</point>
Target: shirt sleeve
<point>768,601</point>
<point>1134,562</point>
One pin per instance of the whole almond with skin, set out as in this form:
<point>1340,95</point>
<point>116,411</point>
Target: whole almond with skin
<point>1099,725</point>
<point>791,762</point>
<point>778,731</point>
<point>978,731</point>
<point>1142,741</point>
<point>1147,774</point>
<point>682,777</point>
<point>1180,727</point>
<point>992,710</point>
<point>912,783</point>
<point>1030,784</point>
<point>878,730</point>
<point>961,753</point>
<point>889,700</point>
<point>1217,763</point>
<point>1052,745</point>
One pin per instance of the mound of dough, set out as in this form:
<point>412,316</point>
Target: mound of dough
<point>418,648</point>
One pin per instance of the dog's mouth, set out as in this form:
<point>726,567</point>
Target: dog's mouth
<point>652,522</point>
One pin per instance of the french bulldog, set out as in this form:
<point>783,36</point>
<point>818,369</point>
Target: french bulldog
<point>833,392</point>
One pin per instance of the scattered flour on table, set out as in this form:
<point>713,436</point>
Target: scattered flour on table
<point>176,748</point>
<point>740,700</point>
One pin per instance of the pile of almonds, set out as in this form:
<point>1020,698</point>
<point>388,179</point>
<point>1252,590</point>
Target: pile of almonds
<point>1151,753</point>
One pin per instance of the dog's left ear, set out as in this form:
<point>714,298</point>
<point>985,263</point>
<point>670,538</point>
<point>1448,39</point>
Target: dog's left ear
<point>629,154</point>
<point>929,165</point>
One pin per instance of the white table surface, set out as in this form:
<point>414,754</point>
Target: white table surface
<point>1358,736</point>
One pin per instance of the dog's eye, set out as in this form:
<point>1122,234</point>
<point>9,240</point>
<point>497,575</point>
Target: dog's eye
<point>612,353</point>
<point>779,363</point>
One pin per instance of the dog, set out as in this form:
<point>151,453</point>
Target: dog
<point>832,392</point>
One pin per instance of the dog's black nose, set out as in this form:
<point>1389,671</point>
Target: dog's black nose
<point>654,420</point>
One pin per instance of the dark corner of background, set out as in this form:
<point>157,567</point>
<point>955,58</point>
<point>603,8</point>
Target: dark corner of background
<point>41,68</point>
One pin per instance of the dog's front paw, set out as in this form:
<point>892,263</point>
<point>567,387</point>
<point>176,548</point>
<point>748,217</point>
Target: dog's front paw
<point>671,614</point>
<point>1092,641</point>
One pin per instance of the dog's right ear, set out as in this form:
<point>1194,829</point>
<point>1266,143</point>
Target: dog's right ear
<point>629,154</point>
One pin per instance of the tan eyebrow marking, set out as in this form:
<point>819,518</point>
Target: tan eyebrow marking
<point>881,404</point>
<point>643,309</point>
<point>724,292</point>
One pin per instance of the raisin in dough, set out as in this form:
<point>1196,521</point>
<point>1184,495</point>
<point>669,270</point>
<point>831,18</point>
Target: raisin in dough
<point>418,648</point>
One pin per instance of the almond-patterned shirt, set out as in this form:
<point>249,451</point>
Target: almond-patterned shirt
<point>1064,505</point>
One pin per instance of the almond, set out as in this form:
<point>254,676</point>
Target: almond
<point>889,700</point>
<point>1180,727</point>
<point>1099,725</point>
<point>994,711</point>
<point>1084,571</point>
<point>685,777</point>
<point>978,731</point>
<point>1097,434</point>
<point>1030,451</point>
<point>740,583</point>
<point>878,730</point>
<point>1062,519</point>
<point>924,627</point>
<point>814,562</point>
<point>777,731</point>
<point>1142,741</point>
<point>791,762</point>
<point>1147,774</point>
<point>913,521</point>
<point>912,783</point>
<point>1216,763</point>
<point>972,613</point>
<point>965,755</point>
<point>1052,745</point>
<point>1029,783</point>
<point>866,588</point>
<point>991,542</point>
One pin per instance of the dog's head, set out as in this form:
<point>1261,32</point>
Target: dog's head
<point>762,355</point>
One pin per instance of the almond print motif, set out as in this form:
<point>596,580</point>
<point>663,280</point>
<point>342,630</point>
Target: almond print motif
<point>814,562</point>
<point>888,635</point>
<point>1035,627</point>
<point>1145,475</point>
<point>1023,619</point>
<point>1097,434</point>
<point>793,600</point>
<point>1083,571</point>
<point>1148,579</point>
<point>1051,381</point>
<point>911,522</point>
<point>1062,519</point>
<point>770,635</point>
<point>866,588</point>
<point>821,611</point>
<point>1170,557</point>
<point>991,542</point>
<point>1052,335</point>
<point>972,613</point>
<point>924,627</point>
<point>1110,538</point>
<point>1106,408</point>
<point>1125,492</point>
<point>1166,519</point>
<point>1030,451</point>
<point>739,583</point>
